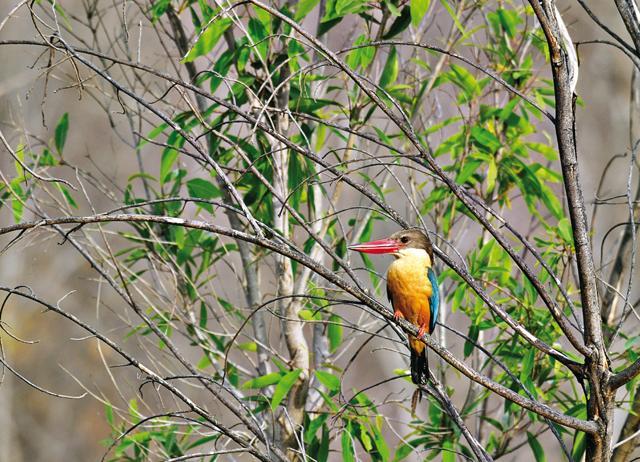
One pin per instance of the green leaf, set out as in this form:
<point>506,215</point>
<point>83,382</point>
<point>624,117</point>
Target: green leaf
<point>323,450</point>
<point>325,26</point>
<point>551,201</point>
<point>579,445</point>
<point>304,7</point>
<point>347,445</point>
<point>509,19</point>
<point>418,9</point>
<point>248,346</point>
<point>307,315</point>
<point>399,25</point>
<point>361,56</point>
<point>547,151</point>
<point>337,9</point>
<point>16,202</point>
<point>221,69</point>
<point>204,362</point>
<point>334,332</point>
<point>200,188</point>
<point>473,335</point>
<point>403,452</point>
<point>262,381</point>
<point>258,34</point>
<point>564,230</point>
<point>158,8</point>
<point>448,454</point>
<point>536,447</point>
<point>469,168</point>
<point>465,80</point>
<point>67,196</point>
<point>390,70</point>
<point>365,440</point>
<point>492,174</point>
<point>283,387</point>
<point>169,157</point>
<point>485,138</point>
<point>61,132</point>
<point>527,365</point>
<point>392,8</point>
<point>328,380</point>
<point>108,411</point>
<point>453,15</point>
<point>152,134</point>
<point>208,39</point>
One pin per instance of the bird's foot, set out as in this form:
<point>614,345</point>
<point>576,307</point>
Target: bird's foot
<point>422,330</point>
<point>397,314</point>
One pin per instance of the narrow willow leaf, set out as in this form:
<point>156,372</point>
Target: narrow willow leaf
<point>536,447</point>
<point>399,25</point>
<point>564,230</point>
<point>328,380</point>
<point>61,132</point>
<point>262,381</point>
<point>283,387</point>
<point>347,445</point>
<point>418,9</point>
<point>453,15</point>
<point>208,39</point>
<point>258,34</point>
<point>169,157</point>
<point>334,332</point>
<point>202,189</point>
<point>579,445</point>
<point>527,365</point>
<point>304,8</point>
<point>391,69</point>
<point>448,454</point>
<point>492,174</point>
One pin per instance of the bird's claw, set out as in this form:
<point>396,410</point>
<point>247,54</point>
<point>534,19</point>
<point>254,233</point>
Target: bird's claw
<point>422,331</point>
<point>397,315</point>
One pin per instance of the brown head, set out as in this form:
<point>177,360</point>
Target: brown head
<point>412,238</point>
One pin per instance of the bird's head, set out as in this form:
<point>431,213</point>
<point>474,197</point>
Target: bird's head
<point>406,241</point>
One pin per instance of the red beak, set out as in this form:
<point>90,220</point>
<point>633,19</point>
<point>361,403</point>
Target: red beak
<point>380,246</point>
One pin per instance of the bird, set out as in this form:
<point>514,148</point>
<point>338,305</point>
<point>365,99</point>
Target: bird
<point>412,288</point>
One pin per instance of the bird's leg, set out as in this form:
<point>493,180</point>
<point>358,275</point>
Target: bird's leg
<point>397,314</point>
<point>422,330</point>
<point>415,399</point>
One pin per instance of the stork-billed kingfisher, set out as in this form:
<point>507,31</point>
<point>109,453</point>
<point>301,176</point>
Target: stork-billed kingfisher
<point>412,288</point>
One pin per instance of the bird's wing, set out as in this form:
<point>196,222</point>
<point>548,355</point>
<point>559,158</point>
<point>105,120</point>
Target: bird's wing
<point>434,300</point>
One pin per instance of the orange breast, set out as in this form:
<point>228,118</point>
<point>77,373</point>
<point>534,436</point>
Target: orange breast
<point>410,289</point>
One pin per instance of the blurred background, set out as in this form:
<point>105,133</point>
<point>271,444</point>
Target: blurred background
<point>38,427</point>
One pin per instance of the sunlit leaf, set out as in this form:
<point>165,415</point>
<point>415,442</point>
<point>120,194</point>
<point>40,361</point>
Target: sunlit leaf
<point>418,9</point>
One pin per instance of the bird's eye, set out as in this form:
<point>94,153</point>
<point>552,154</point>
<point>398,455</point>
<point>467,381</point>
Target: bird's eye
<point>404,239</point>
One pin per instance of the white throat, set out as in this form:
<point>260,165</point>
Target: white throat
<point>420,254</point>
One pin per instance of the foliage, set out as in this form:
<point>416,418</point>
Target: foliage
<point>274,119</point>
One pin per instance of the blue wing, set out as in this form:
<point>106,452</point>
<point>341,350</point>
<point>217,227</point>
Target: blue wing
<point>434,301</point>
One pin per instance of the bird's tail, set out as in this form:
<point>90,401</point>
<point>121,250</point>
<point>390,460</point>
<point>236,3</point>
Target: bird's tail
<point>419,362</point>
